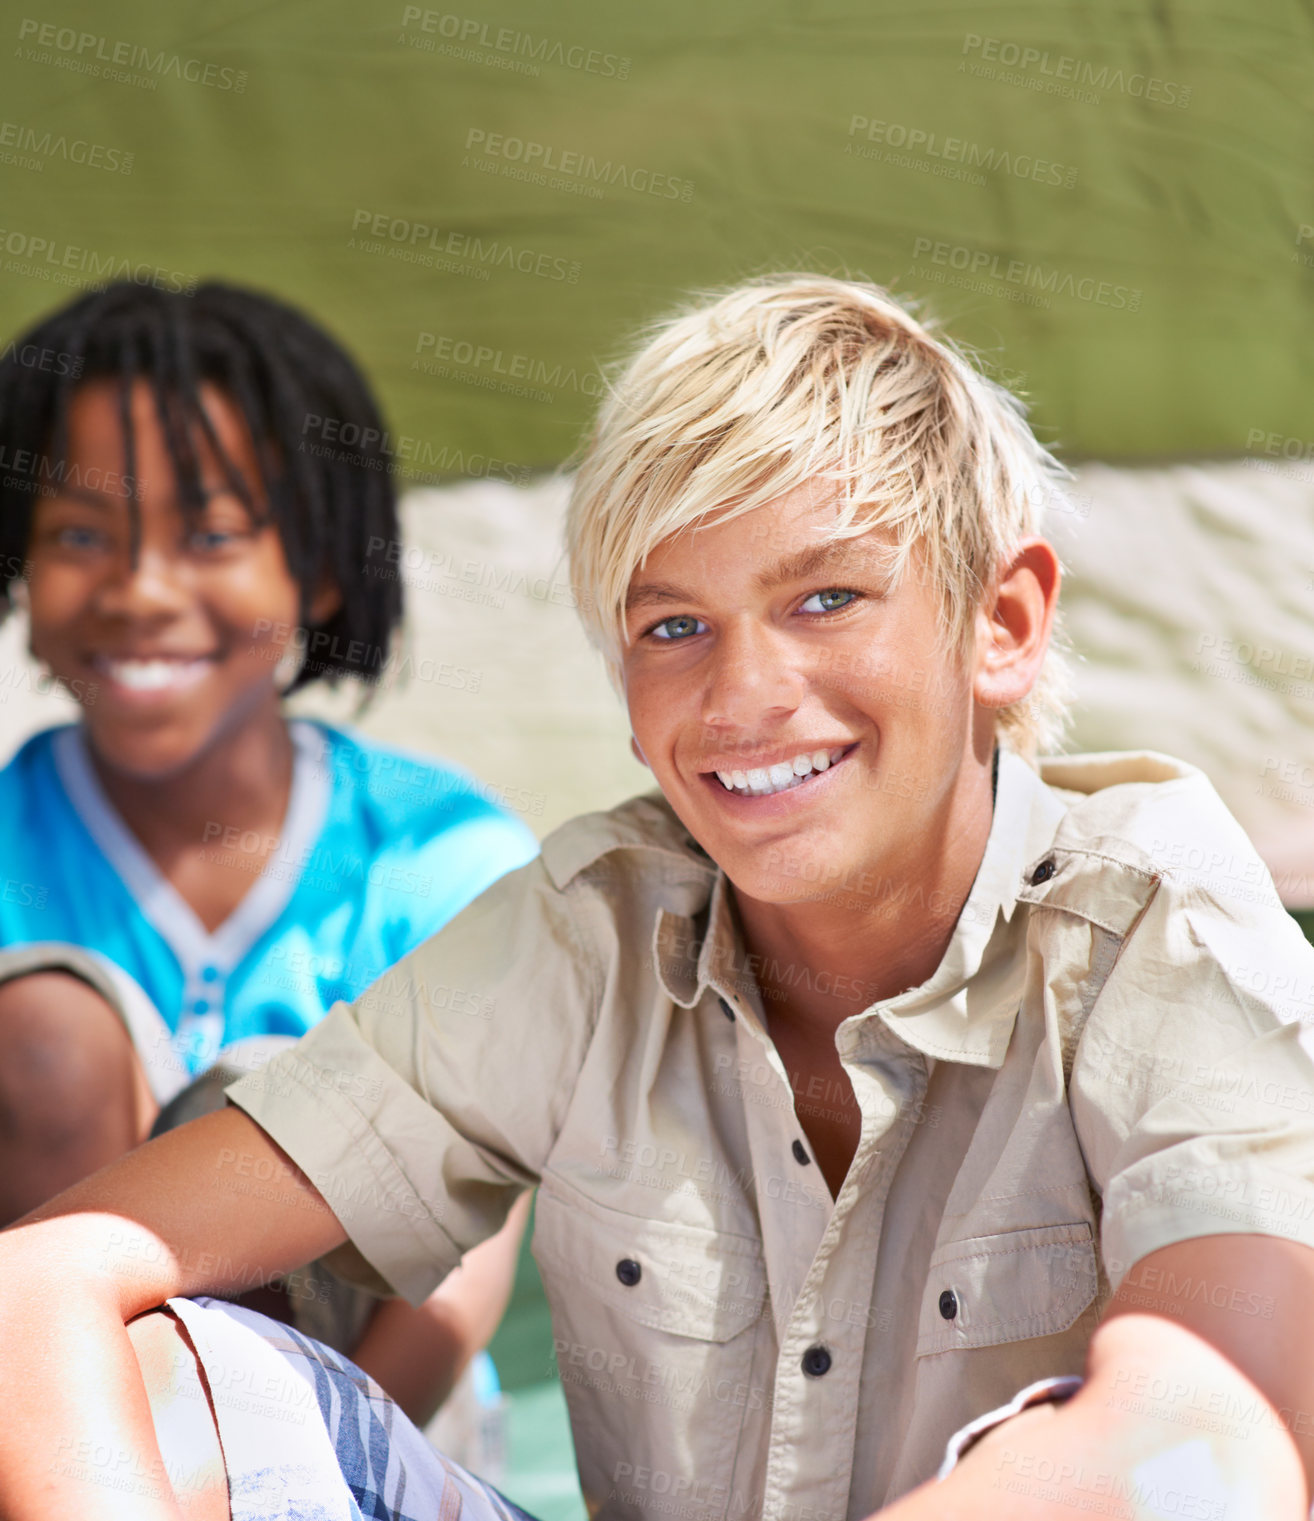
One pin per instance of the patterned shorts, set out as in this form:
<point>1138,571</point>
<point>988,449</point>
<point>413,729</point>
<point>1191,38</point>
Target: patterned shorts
<point>307,1436</point>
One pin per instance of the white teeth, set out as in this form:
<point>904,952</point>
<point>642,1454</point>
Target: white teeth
<point>151,675</point>
<point>763,781</point>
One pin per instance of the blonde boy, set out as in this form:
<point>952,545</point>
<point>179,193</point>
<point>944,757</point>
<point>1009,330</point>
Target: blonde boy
<point>869,1074</point>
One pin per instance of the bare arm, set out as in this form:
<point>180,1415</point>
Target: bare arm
<point>1199,1389</point>
<point>418,1354</point>
<point>174,1217</point>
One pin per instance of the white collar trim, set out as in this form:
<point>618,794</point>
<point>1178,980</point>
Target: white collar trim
<point>159,901</point>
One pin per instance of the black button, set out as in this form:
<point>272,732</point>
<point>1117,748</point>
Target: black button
<point>1043,873</point>
<point>816,1362</point>
<point>628,1271</point>
<point>948,1303</point>
<point>726,1010</point>
<point>800,1154</point>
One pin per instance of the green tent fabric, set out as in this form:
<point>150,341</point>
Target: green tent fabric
<point>1113,202</point>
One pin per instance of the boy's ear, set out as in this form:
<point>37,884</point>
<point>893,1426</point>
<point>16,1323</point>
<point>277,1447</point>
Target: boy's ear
<point>326,601</point>
<point>1013,627</point>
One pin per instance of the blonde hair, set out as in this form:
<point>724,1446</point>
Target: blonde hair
<point>750,393</point>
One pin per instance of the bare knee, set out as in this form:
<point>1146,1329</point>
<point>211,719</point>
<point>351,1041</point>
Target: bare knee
<point>72,1094</point>
<point>183,1414</point>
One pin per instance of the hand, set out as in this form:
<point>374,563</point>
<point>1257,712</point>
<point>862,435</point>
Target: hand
<point>1165,1429</point>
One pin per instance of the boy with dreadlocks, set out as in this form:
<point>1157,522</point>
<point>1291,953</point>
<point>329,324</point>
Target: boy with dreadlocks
<point>185,563</point>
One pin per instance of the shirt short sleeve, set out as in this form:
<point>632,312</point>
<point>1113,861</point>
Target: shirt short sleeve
<point>421,1110</point>
<point>1193,1086</point>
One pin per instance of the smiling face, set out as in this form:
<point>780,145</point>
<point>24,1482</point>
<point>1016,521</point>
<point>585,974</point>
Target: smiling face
<point>174,652</point>
<point>803,714</point>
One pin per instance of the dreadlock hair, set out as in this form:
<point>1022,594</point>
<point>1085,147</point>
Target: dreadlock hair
<point>330,502</point>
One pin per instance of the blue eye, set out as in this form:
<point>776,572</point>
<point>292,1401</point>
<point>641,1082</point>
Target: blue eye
<point>828,601</point>
<point>680,627</point>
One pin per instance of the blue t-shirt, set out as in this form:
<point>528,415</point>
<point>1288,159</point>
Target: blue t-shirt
<point>378,850</point>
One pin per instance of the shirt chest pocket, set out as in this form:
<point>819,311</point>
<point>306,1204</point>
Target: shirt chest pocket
<point>654,1331</point>
<point>988,1290</point>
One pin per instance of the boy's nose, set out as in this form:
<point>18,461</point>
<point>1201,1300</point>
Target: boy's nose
<point>149,585</point>
<point>750,677</point>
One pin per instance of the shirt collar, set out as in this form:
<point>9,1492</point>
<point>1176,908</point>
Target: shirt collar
<point>965,1010</point>
<point>694,952</point>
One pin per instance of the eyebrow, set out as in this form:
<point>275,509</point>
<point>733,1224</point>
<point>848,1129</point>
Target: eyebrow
<point>835,553</point>
<point>650,593</point>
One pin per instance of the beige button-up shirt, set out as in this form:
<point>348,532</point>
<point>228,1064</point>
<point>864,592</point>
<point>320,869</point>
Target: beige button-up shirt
<point>1108,1060</point>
